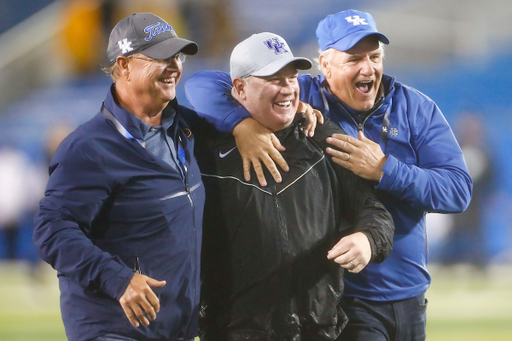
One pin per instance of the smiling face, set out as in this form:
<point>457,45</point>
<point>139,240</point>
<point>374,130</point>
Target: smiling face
<point>155,80</point>
<point>354,75</point>
<point>271,100</point>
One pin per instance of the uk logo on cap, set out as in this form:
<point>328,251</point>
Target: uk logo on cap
<point>125,45</point>
<point>356,20</point>
<point>276,45</point>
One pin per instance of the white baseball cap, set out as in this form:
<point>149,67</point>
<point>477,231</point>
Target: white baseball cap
<point>263,54</point>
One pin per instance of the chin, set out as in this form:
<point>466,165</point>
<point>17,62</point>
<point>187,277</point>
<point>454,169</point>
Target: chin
<point>365,106</point>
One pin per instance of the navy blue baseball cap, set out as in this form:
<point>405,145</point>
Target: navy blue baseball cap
<point>148,34</point>
<point>341,31</point>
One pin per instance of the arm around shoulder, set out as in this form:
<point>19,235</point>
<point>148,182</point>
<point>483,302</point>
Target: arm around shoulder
<point>209,92</point>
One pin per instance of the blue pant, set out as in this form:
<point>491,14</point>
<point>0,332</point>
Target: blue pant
<point>404,320</point>
<point>116,337</point>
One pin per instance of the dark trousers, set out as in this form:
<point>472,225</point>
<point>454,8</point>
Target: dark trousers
<point>403,320</point>
<point>116,337</point>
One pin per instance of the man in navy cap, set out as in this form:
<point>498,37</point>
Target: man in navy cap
<point>397,138</point>
<point>121,219</point>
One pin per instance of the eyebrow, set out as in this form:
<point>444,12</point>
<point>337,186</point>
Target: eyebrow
<point>376,52</point>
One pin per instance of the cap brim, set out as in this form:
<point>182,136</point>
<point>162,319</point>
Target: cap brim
<point>170,47</point>
<point>348,42</point>
<point>274,67</point>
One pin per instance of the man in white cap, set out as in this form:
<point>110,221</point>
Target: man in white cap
<point>265,274</point>
<point>122,213</point>
<point>397,138</point>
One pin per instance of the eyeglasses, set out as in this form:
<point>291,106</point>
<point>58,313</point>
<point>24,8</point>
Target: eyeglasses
<point>177,58</point>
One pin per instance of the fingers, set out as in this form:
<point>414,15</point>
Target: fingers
<point>271,166</point>
<point>259,171</point>
<point>139,302</point>
<point>247,169</point>
<point>309,128</point>
<point>350,262</point>
<point>142,310</point>
<point>152,299</point>
<point>259,148</point>
<point>344,142</point>
<point>276,155</point>
<point>344,151</point>
<point>258,168</point>
<point>131,315</point>
<point>314,117</point>
<point>342,157</point>
<point>319,116</point>
<point>135,311</point>
<point>276,143</point>
<point>352,252</point>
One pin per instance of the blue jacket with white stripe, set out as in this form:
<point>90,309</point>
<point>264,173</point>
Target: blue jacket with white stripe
<point>425,172</point>
<point>112,208</point>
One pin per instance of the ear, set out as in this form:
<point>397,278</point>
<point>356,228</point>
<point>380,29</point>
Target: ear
<point>324,64</point>
<point>239,89</point>
<point>123,66</point>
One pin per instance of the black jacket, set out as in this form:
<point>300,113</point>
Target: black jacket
<point>265,273</point>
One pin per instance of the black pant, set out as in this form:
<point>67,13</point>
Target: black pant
<point>116,337</point>
<point>403,320</point>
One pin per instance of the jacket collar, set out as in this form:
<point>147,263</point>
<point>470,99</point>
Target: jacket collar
<point>129,121</point>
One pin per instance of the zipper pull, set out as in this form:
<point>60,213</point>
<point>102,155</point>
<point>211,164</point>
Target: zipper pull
<point>360,127</point>
<point>137,266</point>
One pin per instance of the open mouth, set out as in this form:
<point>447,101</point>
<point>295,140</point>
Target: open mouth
<point>364,86</point>
<point>167,80</point>
<point>284,103</point>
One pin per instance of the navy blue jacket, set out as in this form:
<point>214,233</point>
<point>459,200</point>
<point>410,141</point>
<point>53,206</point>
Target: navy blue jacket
<point>111,207</point>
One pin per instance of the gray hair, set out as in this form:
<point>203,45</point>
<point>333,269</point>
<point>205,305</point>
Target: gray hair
<point>113,70</point>
<point>327,55</point>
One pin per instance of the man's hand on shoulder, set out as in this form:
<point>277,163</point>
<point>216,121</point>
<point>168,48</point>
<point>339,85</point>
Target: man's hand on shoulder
<point>139,302</point>
<point>362,156</point>
<point>258,144</point>
<point>314,117</point>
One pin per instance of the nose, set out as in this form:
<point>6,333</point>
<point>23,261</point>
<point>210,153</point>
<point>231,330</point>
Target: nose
<point>173,63</point>
<point>367,66</point>
<point>287,87</point>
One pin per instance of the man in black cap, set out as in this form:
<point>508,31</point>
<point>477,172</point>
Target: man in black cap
<point>122,213</point>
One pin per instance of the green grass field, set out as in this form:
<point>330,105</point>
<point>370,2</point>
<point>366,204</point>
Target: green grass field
<point>462,305</point>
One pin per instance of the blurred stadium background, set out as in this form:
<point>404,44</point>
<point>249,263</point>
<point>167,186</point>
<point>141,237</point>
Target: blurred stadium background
<point>457,52</point>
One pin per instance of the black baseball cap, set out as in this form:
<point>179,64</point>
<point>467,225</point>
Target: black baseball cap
<point>149,34</point>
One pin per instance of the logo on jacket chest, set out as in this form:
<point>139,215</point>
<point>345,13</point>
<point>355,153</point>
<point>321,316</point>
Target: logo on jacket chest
<point>223,155</point>
<point>392,132</point>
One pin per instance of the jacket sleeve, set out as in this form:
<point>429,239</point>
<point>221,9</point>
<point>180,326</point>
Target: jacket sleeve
<point>76,193</point>
<point>439,181</point>
<point>359,203</point>
<point>209,92</point>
